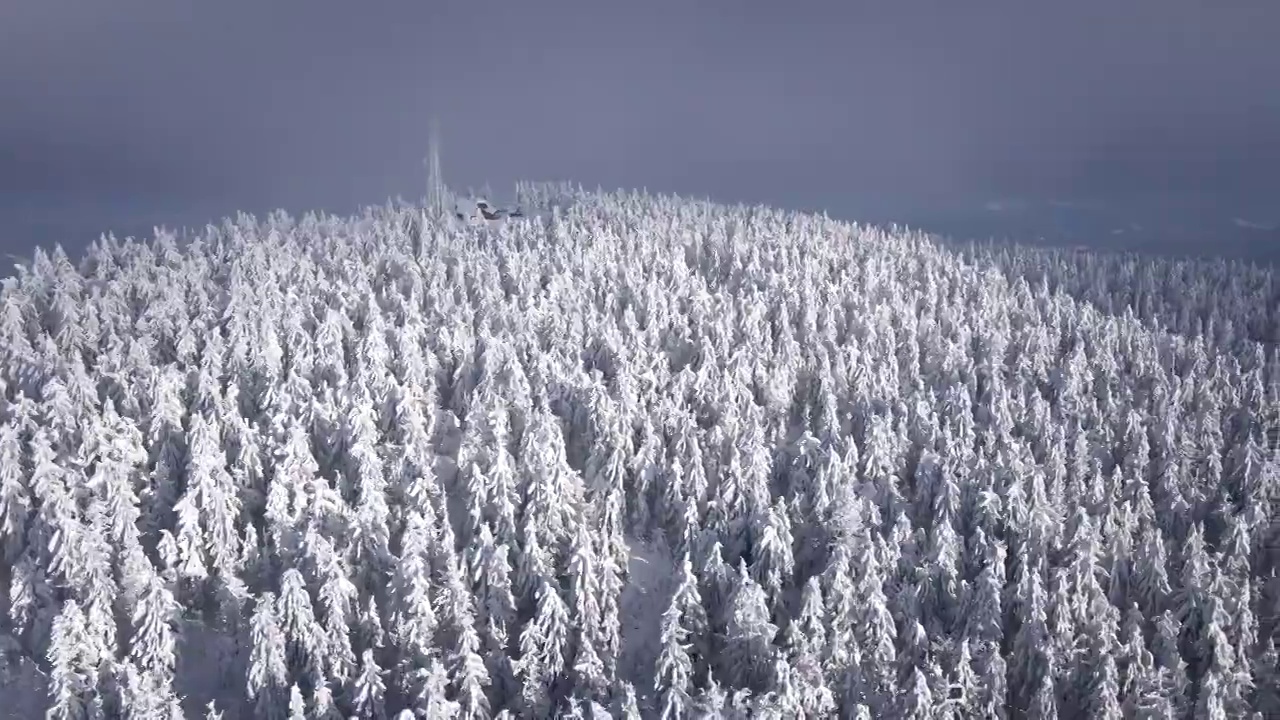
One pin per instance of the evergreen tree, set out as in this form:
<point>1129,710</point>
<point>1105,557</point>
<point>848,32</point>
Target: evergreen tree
<point>267,671</point>
<point>72,680</point>
<point>368,690</point>
<point>543,649</point>
<point>749,634</point>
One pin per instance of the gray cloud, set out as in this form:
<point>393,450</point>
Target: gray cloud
<point>185,107</point>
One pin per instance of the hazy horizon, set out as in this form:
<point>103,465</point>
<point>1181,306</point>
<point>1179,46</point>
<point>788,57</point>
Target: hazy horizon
<point>123,117</point>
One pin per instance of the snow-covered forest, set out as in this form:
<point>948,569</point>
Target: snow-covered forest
<point>639,457</point>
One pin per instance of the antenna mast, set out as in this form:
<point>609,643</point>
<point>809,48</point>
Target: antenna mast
<point>436,192</point>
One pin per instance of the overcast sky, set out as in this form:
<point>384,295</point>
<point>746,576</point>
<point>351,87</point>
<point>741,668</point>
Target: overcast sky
<point>180,111</point>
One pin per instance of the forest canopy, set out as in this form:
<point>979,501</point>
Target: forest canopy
<point>637,456</point>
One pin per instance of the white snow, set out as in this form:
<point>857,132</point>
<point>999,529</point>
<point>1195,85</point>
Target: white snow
<point>650,573</point>
<point>1052,386</point>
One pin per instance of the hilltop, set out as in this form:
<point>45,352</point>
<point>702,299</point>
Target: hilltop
<point>638,455</point>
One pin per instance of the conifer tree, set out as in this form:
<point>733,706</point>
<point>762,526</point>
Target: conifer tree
<point>267,671</point>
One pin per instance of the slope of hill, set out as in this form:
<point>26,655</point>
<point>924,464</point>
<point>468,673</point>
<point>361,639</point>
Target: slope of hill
<point>1223,302</point>
<point>1167,227</point>
<point>641,456</point>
